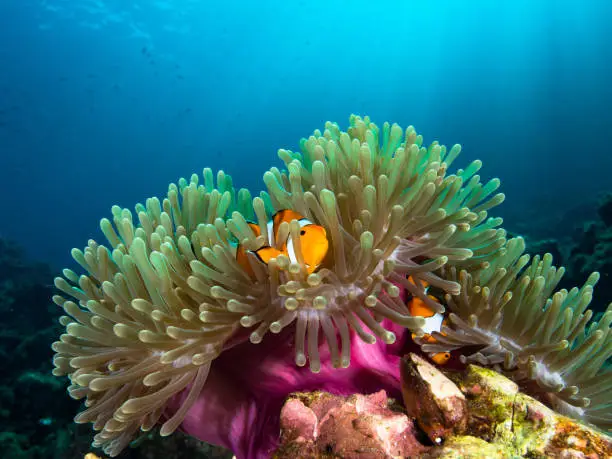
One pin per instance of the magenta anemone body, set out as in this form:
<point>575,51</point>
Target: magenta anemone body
<point>240,405</point>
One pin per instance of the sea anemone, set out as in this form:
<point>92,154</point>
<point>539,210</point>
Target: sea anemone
<point>391,212</point>
<point>151,314</point>
<point>546,341</point>
<point>136,336</point>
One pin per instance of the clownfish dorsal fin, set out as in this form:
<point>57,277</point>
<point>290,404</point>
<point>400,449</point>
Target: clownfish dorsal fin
<point>422,283</point>
<point>285,215</point>
<point>255,228</point>
<point>417,307</point>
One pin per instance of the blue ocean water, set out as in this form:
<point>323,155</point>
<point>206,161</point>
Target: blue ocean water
<point>105,102</point>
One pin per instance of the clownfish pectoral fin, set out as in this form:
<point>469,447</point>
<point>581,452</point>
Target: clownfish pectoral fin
<point>266,253</point>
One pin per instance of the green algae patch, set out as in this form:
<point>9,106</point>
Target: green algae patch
<point>521,425</point>
<point>533,426</point>
<point>468,447</point>
<point>490,398</point>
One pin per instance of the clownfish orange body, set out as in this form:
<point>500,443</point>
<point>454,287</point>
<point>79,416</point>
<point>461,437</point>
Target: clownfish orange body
<point>433,322</point>
<point>313,242</point>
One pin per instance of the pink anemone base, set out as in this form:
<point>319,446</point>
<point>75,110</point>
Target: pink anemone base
<point>240,405</point>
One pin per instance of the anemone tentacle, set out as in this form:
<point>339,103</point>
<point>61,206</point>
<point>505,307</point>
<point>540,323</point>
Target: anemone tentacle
<point>154,310</point>
<point>391,211</point>
<point>524,328</point>
<point>134,332</point>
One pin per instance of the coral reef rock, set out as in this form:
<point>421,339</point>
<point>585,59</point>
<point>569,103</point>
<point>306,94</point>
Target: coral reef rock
<point>320,424</point>
<point>432,399</point>
<point>470,414</point>
<point>501,415</point>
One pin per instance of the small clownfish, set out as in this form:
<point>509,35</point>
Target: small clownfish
<point>433,321</point>
<point>313,241</point>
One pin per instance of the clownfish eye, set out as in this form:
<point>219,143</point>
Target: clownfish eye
<point>302,232</point>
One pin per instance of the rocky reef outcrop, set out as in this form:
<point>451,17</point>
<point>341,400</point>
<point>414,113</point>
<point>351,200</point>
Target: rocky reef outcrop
<point>473,413</point>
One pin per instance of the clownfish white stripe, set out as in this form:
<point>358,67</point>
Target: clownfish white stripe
<point>271,235</point>
<point>433,323</point>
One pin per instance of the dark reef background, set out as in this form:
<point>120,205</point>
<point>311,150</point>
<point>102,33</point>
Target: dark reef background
<point>105,102</point>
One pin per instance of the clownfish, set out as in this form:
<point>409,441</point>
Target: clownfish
<point>433,321</point>
<point>313,242</point>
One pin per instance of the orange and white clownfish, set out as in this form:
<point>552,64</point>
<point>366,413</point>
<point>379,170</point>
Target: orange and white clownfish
<point>313,242</point>
<point>433,321</point>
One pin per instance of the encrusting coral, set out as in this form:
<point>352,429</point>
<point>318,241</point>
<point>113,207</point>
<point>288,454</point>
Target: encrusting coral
<point>154,310</point>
